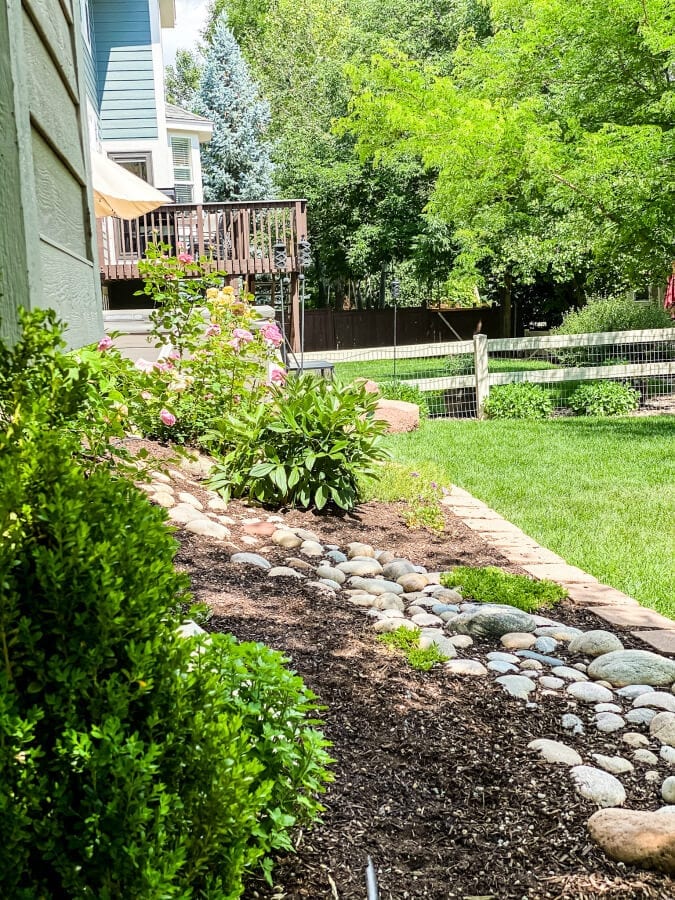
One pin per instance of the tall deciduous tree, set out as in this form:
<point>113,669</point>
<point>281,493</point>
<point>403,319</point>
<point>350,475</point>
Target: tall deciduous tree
<point>236,163</point>
<point>552,139</point>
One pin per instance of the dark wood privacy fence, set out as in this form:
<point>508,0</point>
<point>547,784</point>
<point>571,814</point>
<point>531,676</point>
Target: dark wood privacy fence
<point>326,329</point>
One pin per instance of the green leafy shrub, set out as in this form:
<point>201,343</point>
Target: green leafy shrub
<point>459,364</point>
<point>490,585</point>
<point>306,447</point>
<point>613,314</point>
<point>131,765</point>
<point>407,640</point>
<point>604,398</point>
<point>400,390</point>
<point>520,400</point>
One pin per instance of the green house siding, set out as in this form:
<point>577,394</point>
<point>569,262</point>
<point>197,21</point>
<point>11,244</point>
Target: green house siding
<point>47,254</point>
<point>124,69</point>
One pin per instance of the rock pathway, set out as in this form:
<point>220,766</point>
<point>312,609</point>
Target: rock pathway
<point>627,695</point>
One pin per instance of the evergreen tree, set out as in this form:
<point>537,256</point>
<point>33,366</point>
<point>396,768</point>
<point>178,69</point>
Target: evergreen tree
<point>236,164</point>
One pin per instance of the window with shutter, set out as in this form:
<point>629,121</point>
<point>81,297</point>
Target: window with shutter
<point>181,149</point>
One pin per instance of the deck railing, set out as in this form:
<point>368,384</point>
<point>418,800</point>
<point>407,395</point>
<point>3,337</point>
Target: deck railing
<point>238,238</point>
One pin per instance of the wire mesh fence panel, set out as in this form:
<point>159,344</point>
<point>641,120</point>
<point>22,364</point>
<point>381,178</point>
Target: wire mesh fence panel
<point>641,361</point>
<point>410,372</point>
<point>442,378</point>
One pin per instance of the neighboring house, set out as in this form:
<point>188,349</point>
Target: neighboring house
<point>47,246</point>
<point>128,117</point>
<point>82,75</point>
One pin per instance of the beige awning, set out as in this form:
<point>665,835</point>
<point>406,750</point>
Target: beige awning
<point>118,192</point>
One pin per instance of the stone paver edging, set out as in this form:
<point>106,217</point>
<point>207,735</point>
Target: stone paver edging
<point>603,601</point>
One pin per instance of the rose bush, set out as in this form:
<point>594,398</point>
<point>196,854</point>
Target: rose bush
<point>214,356</point>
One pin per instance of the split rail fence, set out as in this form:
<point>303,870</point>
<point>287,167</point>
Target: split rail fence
<point>456,377</point>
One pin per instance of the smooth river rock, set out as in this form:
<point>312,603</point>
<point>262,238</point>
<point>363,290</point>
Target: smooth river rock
<point>555,752</point>
<point>662,727</point>
<point>656,700</point>
<point>595,643</point>
<point>492,622</point>
<point>465,667</point>
<point>598,786</point>
<point>251,559</point>
<point>517,685</point>
<point>587,692</point>
<point>361,567</point>
<point>623,667</point>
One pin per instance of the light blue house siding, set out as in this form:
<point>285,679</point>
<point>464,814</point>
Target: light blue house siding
<point>124,71</point>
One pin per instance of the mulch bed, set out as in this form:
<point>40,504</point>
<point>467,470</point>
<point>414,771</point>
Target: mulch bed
<point>433,779</point>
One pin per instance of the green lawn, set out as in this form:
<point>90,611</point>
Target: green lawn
<point>599,492</point>
<point>427,367</point>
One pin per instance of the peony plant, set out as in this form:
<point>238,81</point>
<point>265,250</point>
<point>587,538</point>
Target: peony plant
<point>216,356</point>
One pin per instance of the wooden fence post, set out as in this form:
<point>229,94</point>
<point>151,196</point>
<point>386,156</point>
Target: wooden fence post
<point>480,356</point>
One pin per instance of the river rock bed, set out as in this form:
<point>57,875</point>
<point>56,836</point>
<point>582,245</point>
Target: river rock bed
<point>441,777</point>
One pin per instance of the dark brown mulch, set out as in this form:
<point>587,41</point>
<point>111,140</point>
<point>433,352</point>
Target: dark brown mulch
<point>433,778</point>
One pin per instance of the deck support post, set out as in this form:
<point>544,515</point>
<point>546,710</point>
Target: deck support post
<point>295,312</point>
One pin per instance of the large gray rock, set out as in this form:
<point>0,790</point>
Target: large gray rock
<point>595,643</point>
<point>622,667</point>
<point>644,839</point>
<point>492,621</point>
<point>598,786</point>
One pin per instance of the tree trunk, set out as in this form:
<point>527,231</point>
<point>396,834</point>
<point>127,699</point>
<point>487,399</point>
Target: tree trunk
<point>507,306</point>
<point>383,288</point>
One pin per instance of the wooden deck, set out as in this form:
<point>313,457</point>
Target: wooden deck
<point>238,238</point>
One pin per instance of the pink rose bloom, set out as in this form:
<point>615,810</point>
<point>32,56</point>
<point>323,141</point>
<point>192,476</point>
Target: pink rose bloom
<point>104,344</point>
<point>234,343</point>
<point>146,395</point>
<point>185,258</point>
<point>163,366</point>
<point>241,334</point>
<point>144,365</point>
<point>212,330</point>
<point>167,418</point>
<point>277,375</point>
<point>271,334</point>
<point>174,354</point>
